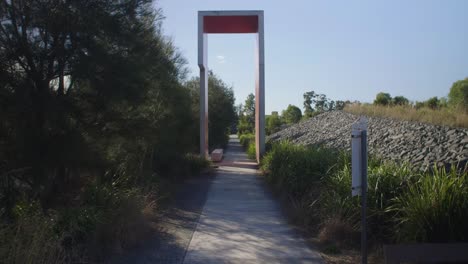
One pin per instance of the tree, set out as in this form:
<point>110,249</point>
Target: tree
<point>249,108</point>
<point>221,109</point>
<point>443,102</point>
<point>432,102</point>
<point>331,105</point>
<point>383,99</point>
<point>400,100</point>
<point>458,95</point>
<point>90,85</point>
<point>292,114</point>
<point>321,103</point>
<point>309,99</point>
<point>247,119</point>
<point>340,105</point>
<point>273,123</point>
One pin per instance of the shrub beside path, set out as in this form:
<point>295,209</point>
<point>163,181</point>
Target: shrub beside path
<point>241,223</point>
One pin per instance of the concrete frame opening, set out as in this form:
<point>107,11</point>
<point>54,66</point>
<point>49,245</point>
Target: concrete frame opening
<point>232,22</point>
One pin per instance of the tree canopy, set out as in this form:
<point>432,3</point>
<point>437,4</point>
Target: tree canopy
<point>221,110</point>
<point>458,95</point>
<point>383,99</point>
<point>247,116</point>
<point>292,114</point>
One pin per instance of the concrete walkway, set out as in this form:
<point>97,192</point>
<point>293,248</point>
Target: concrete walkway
<point>241,223</point>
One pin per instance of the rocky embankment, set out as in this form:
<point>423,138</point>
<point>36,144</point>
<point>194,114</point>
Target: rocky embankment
<point>420,144</point>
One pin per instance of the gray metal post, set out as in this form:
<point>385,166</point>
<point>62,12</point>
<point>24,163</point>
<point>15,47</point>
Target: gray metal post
<point>364,198</point>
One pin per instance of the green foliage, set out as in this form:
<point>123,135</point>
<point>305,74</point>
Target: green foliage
<point>383,99</point>
<point>33,238</point>
<point>248,143</point>
<point>246,123</point>
<point>292,114</point>
<point>295,168</point>
<point>251,150</point>
<point>196,163</point>
<point>246,139</point>
<point>308,100</point>
<point>221,113</point>
<point>107,99</point>
<point>458,95</point>
<point>434,209</point>
<point>443,115</point>
<point>340,105</point>
<point>400,100</point>
<point>273,124</point>
<point>403,205</point>
<point>93,116</point>
<point>386,181</point>
<point>432,103</point>
<point>315,103</point>
<point>249,106</point>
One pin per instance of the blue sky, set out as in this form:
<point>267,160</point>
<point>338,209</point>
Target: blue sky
<point>348,50</point>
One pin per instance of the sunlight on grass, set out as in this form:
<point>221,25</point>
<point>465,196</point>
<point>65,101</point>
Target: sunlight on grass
<point>444,116</point>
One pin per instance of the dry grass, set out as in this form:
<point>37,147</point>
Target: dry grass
<point>339,231</point>
<point>41,238</point>
<point>31,240</point>
<point>444,116</point>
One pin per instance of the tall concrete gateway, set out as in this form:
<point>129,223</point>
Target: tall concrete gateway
<point>216,22</point>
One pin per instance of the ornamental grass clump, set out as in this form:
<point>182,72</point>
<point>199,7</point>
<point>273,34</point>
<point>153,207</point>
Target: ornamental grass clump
<point>434,209</point>
<point>295,169</point>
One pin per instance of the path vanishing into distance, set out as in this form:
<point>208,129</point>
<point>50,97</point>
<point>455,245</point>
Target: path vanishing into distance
<point>228,217</point>
<point>241,223</point>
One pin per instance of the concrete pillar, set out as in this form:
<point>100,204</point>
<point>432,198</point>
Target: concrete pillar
<point>260,91</point>
<point>203,65</point>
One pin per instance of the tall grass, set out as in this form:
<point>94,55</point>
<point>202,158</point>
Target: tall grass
<point>251,151</point>
<point>403,204</point>
<point>246,139</point>
<point>443,116</point>
<point>32,239</point>
<point>386,181</point>
<point>104,219</point>
<point>295,168</point>
<point>435,209</point>
<point>109,221</point>
<point>248,142</point>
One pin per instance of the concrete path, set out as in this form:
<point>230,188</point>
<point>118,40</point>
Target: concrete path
<point>241,223</point>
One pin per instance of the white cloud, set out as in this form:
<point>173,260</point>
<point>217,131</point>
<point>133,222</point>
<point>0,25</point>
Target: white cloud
<point>221,59</point>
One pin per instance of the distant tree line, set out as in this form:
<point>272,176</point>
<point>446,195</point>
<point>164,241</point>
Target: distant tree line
<point>457,99</point>
<point>314,104</point>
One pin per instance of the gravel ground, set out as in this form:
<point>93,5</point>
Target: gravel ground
<point>423,145</point>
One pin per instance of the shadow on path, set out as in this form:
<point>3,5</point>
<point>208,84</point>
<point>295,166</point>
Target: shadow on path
<point>241,223</point>
<point>228,218</point>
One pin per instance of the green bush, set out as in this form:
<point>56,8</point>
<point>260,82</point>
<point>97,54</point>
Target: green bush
<point>33,237</point>
<point>386,181</point>
<point>196,163</point>
<point>295,168</point>
<point>403,204</point>
<point>245,140</point>
<point>458,96</point>
<point>251,151</point>
<point>435,209</point>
